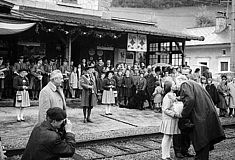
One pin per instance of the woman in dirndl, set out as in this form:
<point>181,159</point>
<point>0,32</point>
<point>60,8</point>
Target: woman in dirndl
<point>108,98</point>
<point>21,85</point>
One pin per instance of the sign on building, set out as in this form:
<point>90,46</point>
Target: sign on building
<point>137,42</point>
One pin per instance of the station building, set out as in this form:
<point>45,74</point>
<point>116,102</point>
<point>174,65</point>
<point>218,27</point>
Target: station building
<point>78,29</point>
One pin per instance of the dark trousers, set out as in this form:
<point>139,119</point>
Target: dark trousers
<point>181,142</point>
<point>203,154</point>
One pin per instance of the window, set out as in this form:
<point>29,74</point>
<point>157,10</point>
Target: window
<point>153,59</point>
<point>223,66</point>
<point>153,47</point>
<point>164,59</point>
<point>176,59</point>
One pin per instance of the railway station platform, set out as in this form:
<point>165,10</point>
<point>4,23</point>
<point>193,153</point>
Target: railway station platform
<point>124,122</point>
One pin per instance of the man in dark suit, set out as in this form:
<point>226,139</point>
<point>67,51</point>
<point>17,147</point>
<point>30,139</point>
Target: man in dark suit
<point>51,139</point>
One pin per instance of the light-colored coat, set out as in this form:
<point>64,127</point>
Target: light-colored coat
<point>49,97</point>
<point>74,80</point>
<point>231,87</point>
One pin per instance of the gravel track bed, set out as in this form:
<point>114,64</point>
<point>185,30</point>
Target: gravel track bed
<point>88,154</point>
<point>151,155</point>
<point>112,150</point>
<point>132,146</point>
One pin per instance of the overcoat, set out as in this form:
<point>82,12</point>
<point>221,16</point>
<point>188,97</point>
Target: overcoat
<point>45,143</point>
<point>150,83</point>
<point>85,83</point>
<point>223,91</point>
<point>231,87</point>
<point>50,97</point>
<point>211,89</point>
<point>200,109</point>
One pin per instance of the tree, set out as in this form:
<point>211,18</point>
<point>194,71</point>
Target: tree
<point>204,18</point>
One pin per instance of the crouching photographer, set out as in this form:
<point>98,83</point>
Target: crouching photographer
<point>51,139</point>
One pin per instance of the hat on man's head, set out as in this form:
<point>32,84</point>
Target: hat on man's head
<point>90,66</point>
<point>52,60</point>
<point>21,57</point>
<point>23,69</point>
<point>223,76</point>
<point>65,60</point>
<point>54,74</point>
<point>56,113</point>
<point>38,59</point>
<point>107,73</point>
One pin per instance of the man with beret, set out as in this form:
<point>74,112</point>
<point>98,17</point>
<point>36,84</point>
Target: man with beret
<point>51,139</point>
<point>51,95</point>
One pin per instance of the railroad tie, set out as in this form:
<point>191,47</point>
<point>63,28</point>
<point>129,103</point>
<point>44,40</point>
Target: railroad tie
<point>129,150</point>
<point>145,145</point>
<point>106,154</point>
<point>78,157</point>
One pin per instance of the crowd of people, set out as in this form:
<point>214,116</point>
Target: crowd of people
<point>139,86</point>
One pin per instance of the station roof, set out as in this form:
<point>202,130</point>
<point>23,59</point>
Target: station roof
<point>211,37</point>
<point>88,21</point>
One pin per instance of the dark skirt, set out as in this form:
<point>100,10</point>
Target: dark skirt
<point>127,92</point>
<point>66,85</point>
<point>137,101</point>
<point>1,84</point>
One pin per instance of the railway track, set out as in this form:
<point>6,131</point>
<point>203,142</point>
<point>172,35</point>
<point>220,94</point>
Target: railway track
<point>122,146</point>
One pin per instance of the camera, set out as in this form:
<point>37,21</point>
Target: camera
<point>62,130</point>
<point>63,124</point>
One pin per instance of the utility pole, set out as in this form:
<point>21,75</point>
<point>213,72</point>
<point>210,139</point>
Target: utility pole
<point>232,58</point>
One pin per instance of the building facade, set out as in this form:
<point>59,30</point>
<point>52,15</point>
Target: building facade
<point>213,52</point>
<point>63,30</point>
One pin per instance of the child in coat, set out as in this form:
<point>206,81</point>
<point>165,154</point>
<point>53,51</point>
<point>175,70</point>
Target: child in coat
<point>157,94</point>
<point>169,124</point>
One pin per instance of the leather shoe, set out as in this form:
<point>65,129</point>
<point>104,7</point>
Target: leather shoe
<point>187,154</point>
<point>84,121</point>
<point>179,155</point>
<point>88,120</point>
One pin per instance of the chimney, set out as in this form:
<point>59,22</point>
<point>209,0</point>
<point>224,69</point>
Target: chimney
<point>221,22</point>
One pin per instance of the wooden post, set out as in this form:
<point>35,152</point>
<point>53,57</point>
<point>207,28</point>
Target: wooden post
<point>183,55</point>
<point>69,49</point>
<point>232,58</point>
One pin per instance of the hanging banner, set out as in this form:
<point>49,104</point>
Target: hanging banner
<point>132,42</point>
<point>137,42</point>
<point>121,55</point>
<point>141,43</point>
